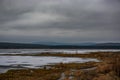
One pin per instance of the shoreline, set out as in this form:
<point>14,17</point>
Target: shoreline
<point>106,69</point>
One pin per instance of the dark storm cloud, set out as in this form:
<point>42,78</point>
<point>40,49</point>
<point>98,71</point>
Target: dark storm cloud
<point>63,20</point>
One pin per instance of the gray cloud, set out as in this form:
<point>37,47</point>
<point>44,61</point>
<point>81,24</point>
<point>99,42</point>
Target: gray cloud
<point>61,20</point>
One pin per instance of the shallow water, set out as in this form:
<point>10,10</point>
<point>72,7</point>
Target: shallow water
<point>8,62</point>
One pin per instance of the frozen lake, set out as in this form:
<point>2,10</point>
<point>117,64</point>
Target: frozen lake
<point>14,62</point>
<point>28,51</point>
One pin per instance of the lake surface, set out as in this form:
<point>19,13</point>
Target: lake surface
<point>15,62</point>
<point>24,51</point>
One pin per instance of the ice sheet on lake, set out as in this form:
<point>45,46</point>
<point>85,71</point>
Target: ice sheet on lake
<point>69,51</point>
<point>7,62</point>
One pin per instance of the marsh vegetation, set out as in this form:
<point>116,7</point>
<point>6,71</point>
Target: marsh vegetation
<point>107,69</point>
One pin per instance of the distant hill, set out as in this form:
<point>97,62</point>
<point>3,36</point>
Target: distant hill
<point>50,43</point>
<point>78,44</point>
<point>58,43</point>
<point>7,45</point>
<point>108,44</point>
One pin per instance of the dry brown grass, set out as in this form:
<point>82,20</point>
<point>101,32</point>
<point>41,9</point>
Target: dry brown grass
<point>31,74</point>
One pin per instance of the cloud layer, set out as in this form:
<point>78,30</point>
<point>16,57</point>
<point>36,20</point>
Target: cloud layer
<point>59,20</point>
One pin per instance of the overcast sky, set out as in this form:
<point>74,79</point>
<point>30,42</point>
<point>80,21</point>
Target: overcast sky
<point>60,20</point>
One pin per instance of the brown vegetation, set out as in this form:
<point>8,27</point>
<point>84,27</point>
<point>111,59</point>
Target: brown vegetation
<point>31,74</point>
